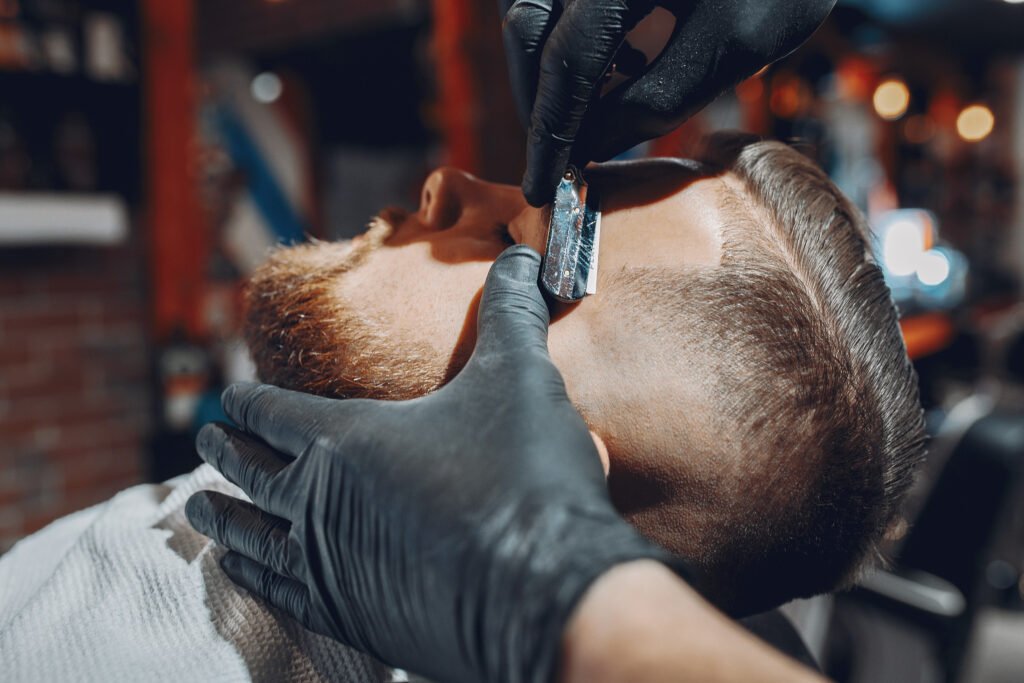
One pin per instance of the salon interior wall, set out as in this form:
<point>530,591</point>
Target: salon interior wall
<point>372,74</point>
<point>1017,241</point>
<point>74,357</point>
<point>74,385</point>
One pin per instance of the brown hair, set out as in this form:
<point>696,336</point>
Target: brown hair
<point>303,337</point>
<point>797,342</point>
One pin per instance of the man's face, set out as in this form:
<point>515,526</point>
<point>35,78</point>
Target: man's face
<point>395,310</point>
<point>422,284</point>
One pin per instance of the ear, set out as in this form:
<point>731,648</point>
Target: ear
<point>602,452</point>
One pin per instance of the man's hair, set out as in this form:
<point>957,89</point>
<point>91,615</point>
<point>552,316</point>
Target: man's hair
<point>796,342</point>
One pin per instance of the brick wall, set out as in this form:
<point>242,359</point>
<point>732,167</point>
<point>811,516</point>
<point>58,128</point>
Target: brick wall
<point>74,396</point>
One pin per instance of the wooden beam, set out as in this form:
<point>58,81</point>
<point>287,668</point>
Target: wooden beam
<point>477,111</point>
<point>454,22</point>
<point>177,234</point>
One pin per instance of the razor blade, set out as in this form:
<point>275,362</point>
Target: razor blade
<point>569,269</point>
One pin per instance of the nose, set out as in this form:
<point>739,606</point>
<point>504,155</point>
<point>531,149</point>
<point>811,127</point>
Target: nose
<point>444,197</point>
<point>451,197</point>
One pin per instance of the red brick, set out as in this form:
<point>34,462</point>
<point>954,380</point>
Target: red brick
<point>17,439</point>
<point>41,313</point>
<point>109,477</point>
<point>26,387</point>
<point>98,435</point>
<point>78,283</point>
<point>127,310</point>
<point>10,517</point>
<point>74,382</point>
<point>79,447</point>
<point>122,383</point>
<point>10,498</point>
<point>12,287</point>
<point>14,355</point>
<point>73,408</point>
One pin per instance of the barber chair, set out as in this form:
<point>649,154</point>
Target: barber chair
<point>963,553</point>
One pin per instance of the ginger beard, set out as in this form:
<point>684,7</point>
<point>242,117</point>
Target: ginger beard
<point>303,336</point>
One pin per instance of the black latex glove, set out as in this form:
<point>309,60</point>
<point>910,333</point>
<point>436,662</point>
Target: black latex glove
<point>450,535</point>
<point>559,51</point>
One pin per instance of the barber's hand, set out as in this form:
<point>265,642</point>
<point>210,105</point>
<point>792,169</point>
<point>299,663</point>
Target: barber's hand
<point>559,51</point>
<point>451,535</point>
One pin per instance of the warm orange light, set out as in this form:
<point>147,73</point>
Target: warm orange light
<point>927,334</point>
<point>975,123</point>
<point>892,99</point>
<point>855,79</point>
<point>790,97</point>
<point>750,90</point>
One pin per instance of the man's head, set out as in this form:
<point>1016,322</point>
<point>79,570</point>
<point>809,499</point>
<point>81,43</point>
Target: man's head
<point>741,360</point>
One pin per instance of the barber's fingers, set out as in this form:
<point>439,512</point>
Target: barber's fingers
<point>287,420</point>
<point>286,594</point>
<point>575,58</point>
<point>525,29</point>
<point>245,461</point>
<point>675,85</point>
<point>683,79</point>
<point>636,112</point>
<point>715,46</point>
<point>246,529</point>
<point>513,314</point>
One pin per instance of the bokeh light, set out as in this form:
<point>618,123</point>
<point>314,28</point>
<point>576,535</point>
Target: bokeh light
<point>933,268</point>
<point>892,99</point>
<point>267,88</point>
<point>790,96</point>
<point>750,90</point>
<point>902,247</point>
<point>975,123</point>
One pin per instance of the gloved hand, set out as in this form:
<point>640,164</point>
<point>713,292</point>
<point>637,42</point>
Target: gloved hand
<point>451,535</point>
<point>559,51</point>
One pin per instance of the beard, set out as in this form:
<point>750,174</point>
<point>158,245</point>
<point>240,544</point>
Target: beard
<point>303,335</point>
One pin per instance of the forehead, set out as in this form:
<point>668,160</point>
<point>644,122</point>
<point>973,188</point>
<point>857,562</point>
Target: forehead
<point>659,213</point>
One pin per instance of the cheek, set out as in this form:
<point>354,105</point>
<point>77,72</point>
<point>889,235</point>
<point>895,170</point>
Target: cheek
<point>417,296</point>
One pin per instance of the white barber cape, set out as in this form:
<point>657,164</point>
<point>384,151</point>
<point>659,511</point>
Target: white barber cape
<point>128,591</point>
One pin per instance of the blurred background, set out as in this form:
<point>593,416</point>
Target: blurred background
<point>152,150</point>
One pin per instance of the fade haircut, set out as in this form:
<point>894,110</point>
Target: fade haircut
<point>796,342</point>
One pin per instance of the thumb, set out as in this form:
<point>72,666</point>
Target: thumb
<point>513,313</point>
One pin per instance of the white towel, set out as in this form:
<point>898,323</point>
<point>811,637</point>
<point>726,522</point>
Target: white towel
<point>128,591</point>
